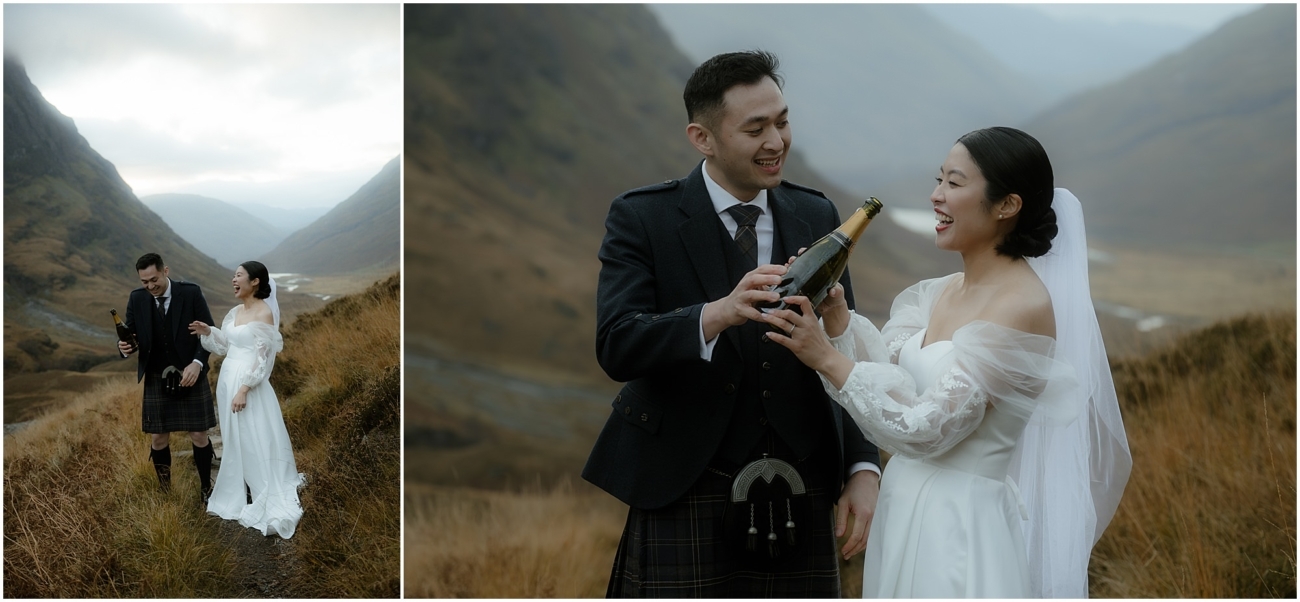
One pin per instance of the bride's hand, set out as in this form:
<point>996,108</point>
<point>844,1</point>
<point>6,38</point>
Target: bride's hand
<point>804,337</point>
<point>200,329</point>
<point>239,401</point>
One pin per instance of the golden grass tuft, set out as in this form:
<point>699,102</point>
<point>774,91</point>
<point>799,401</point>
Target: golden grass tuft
<point>1209,510</point>
<point>84,518</point>
<point>470,543</point>
<point>341,364</point>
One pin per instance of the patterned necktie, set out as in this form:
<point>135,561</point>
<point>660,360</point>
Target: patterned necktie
<point>746,237</point>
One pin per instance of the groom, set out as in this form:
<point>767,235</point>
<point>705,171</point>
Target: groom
<point>173,365</point>
<point>683,262</point>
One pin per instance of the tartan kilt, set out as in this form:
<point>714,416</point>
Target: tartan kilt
<point>678,552</point>
<point>191,411</point>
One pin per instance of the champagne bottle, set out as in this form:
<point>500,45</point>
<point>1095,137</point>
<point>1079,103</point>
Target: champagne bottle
<point>123,333</point>
<point>817,270</point>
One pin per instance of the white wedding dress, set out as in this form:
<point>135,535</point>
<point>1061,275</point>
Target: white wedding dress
<point>948,521</point>
<point>255,443</point>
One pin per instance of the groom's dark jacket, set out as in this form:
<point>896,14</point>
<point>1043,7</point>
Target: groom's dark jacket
<point>187,305</point>
<point>666,254</point>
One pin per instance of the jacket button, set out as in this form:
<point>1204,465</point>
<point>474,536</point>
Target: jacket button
<point>654,317</point>
<point>767,394</point>
<point>765,339</point>
<point>645,417</point>
<point>762,420</point>
<point>677,311</point>
<point>767,365</point>
<point>618,399</point>
<point>627,409</point>
<point>729,389</point>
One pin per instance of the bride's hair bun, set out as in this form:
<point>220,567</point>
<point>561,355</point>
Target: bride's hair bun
<point>1013,162</point>
<point>257,271</point>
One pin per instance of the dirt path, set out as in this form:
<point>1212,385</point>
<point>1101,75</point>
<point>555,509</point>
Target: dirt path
<point>264,565</point>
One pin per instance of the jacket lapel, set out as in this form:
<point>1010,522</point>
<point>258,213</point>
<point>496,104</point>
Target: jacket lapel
<point>703,241</point>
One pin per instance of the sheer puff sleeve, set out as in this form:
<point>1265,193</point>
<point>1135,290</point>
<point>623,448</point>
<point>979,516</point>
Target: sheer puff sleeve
<point>215,341</point>
<point>988,364</point>
<point>267,343</point>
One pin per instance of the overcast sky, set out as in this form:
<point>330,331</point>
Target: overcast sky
<point>288,105</point>
<point>1201,17</point>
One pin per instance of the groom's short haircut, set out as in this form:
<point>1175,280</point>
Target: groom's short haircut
<point>709,83</point>
<point>149,259</point>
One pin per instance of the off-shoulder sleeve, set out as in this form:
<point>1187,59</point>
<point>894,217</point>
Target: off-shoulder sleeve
<point>988,364</point>
<point>267,343</point>
<point>215,341</point>
<point>908,315</point>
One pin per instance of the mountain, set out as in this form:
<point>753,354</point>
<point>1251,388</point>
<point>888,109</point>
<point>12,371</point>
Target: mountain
<point>286,219</point>
<point>1198,149</point>
<point>358,234</point>
<point>874,89</point>
<point>1069,55</point>
<point>221,230</point>
<point>72,233</point>
<point>523,122</point>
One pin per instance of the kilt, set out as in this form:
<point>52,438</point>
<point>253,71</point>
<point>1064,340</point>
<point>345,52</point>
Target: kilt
<point>190,411</point>
<point>678,551</point>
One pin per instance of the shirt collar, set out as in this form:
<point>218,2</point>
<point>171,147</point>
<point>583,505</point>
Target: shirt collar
<point>723,199</point>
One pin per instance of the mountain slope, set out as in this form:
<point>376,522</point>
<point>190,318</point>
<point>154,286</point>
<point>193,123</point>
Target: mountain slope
<point>359,234</point>
<point>72,233</point>
<point>522,123</point>
<point>1198,149</point>
<point>223,231</point>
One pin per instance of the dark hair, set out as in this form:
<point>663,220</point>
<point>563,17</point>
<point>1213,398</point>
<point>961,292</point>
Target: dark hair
<point>1013,162</point>
<point>149,259</point>
<point>711,80</point>
<point>258,271</point>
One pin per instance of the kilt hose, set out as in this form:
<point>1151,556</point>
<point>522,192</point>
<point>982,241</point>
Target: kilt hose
<point>192,410</point>
<point>679,551</point>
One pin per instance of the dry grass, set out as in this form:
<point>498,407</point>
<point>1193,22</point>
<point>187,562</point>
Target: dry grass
<point>83,517</point>
<point>1209,511</point>
<point>1210,508</point>
<point>341,364</point>
<point>468,543</point>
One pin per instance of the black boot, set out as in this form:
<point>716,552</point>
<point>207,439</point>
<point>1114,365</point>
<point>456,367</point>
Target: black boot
<point>162,464</point>
<point>203,463</point>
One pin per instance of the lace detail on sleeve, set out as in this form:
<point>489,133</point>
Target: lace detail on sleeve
<point>215,341</point>
<point>267,343</point>
<point>881,399</point>
<point>896,345</point>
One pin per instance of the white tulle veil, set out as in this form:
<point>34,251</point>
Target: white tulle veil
<point>274,304</point>
<point>1071,475</point>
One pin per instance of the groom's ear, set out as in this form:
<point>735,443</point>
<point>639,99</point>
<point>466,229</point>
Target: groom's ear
<point>701,138</point>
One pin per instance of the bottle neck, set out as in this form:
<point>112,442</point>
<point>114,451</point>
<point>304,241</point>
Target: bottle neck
<point>853,227</point>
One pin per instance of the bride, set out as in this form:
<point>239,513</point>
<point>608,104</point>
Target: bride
<point>257,453</point>
<point>990,387</point>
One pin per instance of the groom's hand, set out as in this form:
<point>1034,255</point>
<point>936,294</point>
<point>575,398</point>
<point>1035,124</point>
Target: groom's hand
<point>859,497</point>
<point>190,375</point>
<point>738,307</point>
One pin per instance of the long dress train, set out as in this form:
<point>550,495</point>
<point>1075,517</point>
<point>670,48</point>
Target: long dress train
<point>255,442</point>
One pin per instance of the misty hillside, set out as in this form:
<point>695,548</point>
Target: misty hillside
<point>72,233</point>
<point>873,88</point>
<point>219,229</point>
<point>1199,148</point>
<point>1069,55</point>
<point>522,124</point>
<point>361,233</point>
